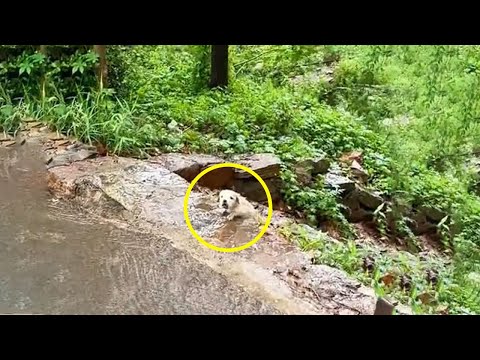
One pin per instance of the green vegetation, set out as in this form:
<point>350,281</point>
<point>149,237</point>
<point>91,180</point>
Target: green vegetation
<point>413,112</point>
<point>429,284</point>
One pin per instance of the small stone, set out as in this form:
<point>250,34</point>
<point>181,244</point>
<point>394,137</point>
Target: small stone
<point>9,143</point>
<point>73,146</point>
<point>59,160</point>
<point>62,142</point>
<point>432,276</point>
<point>5,137</point>
<point>33,124</point>
<point>406,282</point>
<point>55,136</point>
<point>383,307</point>
<point>368,263</point>
<point>82,155</point>
<point>426,298</point>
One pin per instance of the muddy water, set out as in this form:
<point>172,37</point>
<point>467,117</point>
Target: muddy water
<point>211,224</point>
<point>56,259</point>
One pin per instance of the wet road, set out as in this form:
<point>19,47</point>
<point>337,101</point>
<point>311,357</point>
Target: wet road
<point>55,259</point>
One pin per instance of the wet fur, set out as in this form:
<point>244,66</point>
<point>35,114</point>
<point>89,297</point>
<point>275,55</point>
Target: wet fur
<point>236,205</point>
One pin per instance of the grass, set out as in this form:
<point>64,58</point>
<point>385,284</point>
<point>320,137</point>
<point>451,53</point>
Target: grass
<point>411,110</point>
<point>429,284</point>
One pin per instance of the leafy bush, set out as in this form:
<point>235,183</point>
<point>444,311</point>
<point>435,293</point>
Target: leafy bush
<point>411,110</point>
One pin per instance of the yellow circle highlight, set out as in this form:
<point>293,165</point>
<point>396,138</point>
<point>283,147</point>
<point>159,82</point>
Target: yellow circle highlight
<point>264,228</point>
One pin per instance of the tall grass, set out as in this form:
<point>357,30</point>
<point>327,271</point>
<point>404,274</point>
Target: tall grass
<point>412,111</point>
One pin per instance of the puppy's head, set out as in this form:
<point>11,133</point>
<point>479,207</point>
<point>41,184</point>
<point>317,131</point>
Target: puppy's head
<point>228,199</point>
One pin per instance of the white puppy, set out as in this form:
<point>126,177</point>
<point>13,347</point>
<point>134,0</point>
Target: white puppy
<point>236,205</point>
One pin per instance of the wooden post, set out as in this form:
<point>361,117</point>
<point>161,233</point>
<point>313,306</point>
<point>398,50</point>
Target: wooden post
<point>102,69</point>
<point>219,68</point>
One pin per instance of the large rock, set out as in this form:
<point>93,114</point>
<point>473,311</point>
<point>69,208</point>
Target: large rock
<point>369,199</point>
<point>307,168</point>
<point>268,167</point>
<point>432,214</point>
<point>354,211</point>
<point>421,224</point>
<point>188,166</point>
<point>339,182</point>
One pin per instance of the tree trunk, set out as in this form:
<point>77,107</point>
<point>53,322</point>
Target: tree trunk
<point>219,70</point>
<point>101,51</point>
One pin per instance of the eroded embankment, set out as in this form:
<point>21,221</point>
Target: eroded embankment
<point>148,195</point>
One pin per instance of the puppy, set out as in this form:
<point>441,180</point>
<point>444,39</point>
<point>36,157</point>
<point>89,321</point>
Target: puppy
<point>236,205</point>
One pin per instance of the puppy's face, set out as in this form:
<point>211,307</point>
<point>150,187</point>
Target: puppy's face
<point>228,199</point>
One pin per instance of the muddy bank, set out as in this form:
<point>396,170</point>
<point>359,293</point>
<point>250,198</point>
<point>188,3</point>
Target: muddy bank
<point>150,196</point>
<point>56,258</point>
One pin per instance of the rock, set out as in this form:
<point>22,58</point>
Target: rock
<point>59,160</point>
<point>432,214</point>
<point>355,212</point>
<point>307,168</point>
<point>9,143</point>
<point>335,286</point>
<point>5,137</point>
<point>82,154</point>
<point>68,157</point>
<point>55,136</point>
<point>33,124</point>
<point>421,225</point>
<point>383,307</point>
<point>339,182</point>
<point>48,159</point>
<point>369,199</point>
<point>313,233</point>
<point>303,173</point>
<point>267,166</point>
<point>74,145</point>
<point>348,158</point>
<point>62,142</point>
<point>358,172</point>
<point>320,165</point>
<point>253,190</point>
<point>188,166</point>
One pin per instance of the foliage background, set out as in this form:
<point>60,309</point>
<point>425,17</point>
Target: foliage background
<point>413,112</point>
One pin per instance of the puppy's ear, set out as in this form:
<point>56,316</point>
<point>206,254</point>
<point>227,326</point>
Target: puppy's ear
<point>237,199</point>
